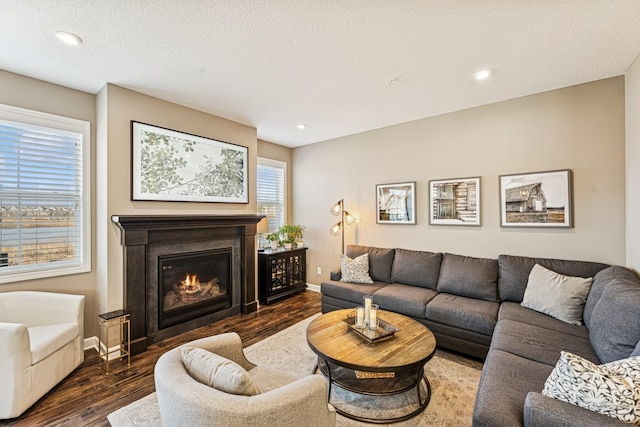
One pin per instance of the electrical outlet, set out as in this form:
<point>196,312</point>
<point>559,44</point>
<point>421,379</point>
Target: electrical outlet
<point>319,270</point>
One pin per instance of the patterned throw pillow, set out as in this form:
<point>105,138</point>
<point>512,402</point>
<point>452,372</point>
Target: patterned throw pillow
<point>355,270</point>
<point>606,389</point>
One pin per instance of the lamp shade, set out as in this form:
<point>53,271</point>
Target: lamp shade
<point>349,219</point>
<point>337,208</point>
<point>335,230</point>
<point>263,226</point>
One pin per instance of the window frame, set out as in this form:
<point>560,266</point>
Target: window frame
<point>67,124</point>
<point>264,161</point>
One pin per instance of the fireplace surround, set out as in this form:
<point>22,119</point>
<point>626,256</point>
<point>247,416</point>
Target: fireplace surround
<point>219,249</point>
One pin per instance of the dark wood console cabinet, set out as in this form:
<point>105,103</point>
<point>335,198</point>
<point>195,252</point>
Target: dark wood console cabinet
<point>281,272</point>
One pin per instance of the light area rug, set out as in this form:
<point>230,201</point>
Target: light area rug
<point>454,382</point>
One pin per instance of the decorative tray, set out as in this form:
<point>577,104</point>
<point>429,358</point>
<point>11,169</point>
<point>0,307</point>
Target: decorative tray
<point>385,330</point>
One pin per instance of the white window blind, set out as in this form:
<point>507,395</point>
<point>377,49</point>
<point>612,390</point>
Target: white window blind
<point>44,208</point>
<point>271,187</point>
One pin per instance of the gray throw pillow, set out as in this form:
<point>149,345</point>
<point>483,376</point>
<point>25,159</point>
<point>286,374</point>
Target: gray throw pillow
<point>218,372</point>
<point>557,295</point>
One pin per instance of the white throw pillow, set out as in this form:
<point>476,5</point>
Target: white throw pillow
<point>355,270</point>
<point>595,387</point>
<point>557,295</point>
<point>218,372</point>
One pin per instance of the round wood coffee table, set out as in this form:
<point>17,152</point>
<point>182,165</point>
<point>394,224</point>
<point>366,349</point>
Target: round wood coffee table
<point>388,367</point>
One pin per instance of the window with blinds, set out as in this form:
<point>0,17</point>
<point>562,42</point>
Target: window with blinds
<point>44,195</point>
<point>271,187</point>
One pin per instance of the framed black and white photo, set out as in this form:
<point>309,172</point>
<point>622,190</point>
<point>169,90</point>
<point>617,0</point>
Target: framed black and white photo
<point>454,201</point>
<point>168,165</point>
<point>396,203</point>
<point>538,199</point>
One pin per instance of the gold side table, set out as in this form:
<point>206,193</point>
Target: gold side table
<point>119,318</point>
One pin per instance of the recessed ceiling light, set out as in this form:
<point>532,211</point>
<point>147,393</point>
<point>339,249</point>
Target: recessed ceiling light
<point>482,74</point>
<point>301,126</point>
<point>68,38</point>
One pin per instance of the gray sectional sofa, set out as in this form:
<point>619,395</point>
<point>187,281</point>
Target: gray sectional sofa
<point>472,305</point>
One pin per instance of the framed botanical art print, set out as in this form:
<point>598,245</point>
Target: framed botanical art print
<point>168,165</point>
<point>454,201</point>
<point>538,199</point>
<point>396,203</point>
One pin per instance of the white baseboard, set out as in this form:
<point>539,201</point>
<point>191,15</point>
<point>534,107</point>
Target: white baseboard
<point>314,288</point>
<point>91,343</point>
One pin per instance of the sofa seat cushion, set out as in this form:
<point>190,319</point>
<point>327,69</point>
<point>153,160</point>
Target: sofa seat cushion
<point>514,272</point>
<point>46,340</point>
<point>380,261</point>
<point>615,330</point>
<point>539,344</point>
<point>404,299</point>
<point>514,311</point>
<point>464,313</point>
<point>353,292</point>
<point>469,277</point>
<point>417,268</point>
<point>268,378</point>
<point>506,379</point>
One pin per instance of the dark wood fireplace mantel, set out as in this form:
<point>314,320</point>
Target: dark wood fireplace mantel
<point>141,232</point>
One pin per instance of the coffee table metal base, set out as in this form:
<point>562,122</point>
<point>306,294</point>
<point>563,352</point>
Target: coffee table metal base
<point>401,382</point>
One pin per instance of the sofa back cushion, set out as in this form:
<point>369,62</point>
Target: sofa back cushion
<point>416,268</point>
<point>601,280</point>
<point>380,261</point>
<point>615,331</point>
<point>469,277</point>
<point>515,270</point>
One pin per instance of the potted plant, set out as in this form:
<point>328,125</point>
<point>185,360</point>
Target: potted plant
<point>274,239</point>
<point>291,234</point>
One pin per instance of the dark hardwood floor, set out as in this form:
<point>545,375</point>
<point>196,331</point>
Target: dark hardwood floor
<point>87,396</point>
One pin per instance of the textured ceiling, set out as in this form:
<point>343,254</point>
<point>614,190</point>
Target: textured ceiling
<point>340,66</point>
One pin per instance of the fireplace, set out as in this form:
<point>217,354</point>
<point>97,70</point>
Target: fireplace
<point>183,272</point>
<point>192,285</point>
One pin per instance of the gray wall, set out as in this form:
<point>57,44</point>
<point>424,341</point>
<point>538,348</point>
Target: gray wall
<point>579,128</point>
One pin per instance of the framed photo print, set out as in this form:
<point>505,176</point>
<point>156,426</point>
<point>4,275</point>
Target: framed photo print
<point>396,203</point>
<point>454,201</point>
<point>168,165</point>
<point>539,199</point>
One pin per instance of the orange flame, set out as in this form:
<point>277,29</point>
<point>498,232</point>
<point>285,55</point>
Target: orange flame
<point>191,284</point>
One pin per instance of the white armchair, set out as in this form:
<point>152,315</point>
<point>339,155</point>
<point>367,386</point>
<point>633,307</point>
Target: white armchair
<point>285,401</point>
<point>41,342</point>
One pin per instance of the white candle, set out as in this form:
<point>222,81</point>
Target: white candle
<point>373,319</point>
<point>359,317</point>
<point>367,308</point>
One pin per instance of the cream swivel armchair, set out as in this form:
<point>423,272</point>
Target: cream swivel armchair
<point>284,400</point>
<point>41,342</point>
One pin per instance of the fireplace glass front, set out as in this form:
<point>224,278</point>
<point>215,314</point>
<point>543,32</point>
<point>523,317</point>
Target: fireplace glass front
<point>192,285</point>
